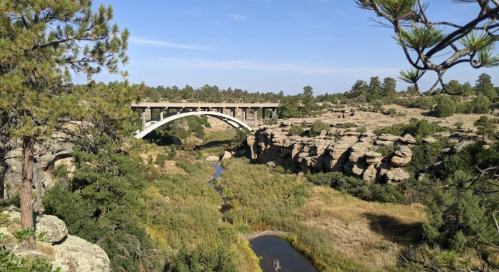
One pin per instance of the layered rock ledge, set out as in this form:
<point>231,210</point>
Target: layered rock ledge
<point>364,155</point>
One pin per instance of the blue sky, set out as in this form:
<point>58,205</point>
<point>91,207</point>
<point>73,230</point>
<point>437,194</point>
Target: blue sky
<point>268,45</point>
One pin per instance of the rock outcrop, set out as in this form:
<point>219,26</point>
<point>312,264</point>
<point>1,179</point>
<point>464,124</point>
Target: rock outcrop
<point>64,251</point>
<point>351,152</point>
<point>49,152</point>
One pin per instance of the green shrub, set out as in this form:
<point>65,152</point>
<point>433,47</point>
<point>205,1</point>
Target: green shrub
<point>392,111</point>
<point>446,107</point>
<point>317,127</point>
<point>378,105</point>
<point>204,258</point>
<point>386,150</point>
<point>362,129</point>
<point>423,156</point>
<point>61,171</point>
<point>161,159</point>
<point>481,104</point>
<point>424,103</point>
<point>296,130</point>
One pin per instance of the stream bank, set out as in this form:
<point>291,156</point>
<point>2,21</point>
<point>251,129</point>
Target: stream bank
<point>275,253</point>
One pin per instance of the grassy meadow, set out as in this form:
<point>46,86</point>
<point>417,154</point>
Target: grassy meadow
<point>336,231</point>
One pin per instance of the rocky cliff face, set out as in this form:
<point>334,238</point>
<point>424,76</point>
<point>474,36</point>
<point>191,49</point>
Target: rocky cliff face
<point>48,154</point>
<point>64,251</point>
<point>353,153</point>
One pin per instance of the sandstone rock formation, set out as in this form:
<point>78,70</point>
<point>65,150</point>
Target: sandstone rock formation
<point>67,252</point>
<point>353,153</point>
<point>402,156</point>
<point>48,154</point>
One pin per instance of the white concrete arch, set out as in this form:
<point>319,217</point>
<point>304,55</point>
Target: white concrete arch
<point>152,125</point>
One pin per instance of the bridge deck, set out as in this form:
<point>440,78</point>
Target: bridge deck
<point>204,105</point>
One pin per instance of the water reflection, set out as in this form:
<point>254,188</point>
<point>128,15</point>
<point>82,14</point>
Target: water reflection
<point>271,248</point>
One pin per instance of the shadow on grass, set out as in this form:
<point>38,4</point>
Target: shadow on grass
<point>394,230</point>
<point>211,144</point>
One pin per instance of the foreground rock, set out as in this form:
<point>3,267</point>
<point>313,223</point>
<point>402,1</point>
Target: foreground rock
<point>64,251</point>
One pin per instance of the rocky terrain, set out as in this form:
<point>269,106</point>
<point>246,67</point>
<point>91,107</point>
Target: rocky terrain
<point>64,251</point>
<point>49,153</point>
<point>346,150</point>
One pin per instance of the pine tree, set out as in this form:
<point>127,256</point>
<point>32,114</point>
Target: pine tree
<point>389,87</point>
<point>484,86</point>
<point>41,42</point>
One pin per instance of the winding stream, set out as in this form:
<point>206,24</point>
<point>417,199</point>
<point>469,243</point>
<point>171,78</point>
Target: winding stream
<point>270,248</point>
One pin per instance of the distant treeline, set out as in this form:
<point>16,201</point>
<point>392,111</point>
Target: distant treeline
<point>361,91</point>
<point>208,93</point>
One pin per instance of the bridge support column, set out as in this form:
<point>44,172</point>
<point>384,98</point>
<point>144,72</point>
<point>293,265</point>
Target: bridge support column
<point>273,113</point>
<point>255,115</point>
<point>143,118</point>
<point>263,113</point>
<point>161,115</point>
<point>245,112</point>
<point>233,112</point>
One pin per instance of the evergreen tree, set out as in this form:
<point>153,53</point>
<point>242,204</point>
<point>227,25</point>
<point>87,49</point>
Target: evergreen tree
<point>375,89</point>
<point>359,87</point>
<point>484,86</point>
<point>41,41</point>
<point>389,87</point>
<point>486,126</point>
<point>467,89</point>
<point>446,107</point>
<point>308,100</point>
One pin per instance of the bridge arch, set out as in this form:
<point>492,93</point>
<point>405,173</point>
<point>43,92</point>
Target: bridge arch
<point>154,124</point>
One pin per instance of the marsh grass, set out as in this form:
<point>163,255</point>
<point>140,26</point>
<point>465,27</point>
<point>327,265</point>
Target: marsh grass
<point>336,231</point>
<point>183,211</point>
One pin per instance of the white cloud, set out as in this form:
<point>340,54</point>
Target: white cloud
<point>236,17</point>
<point>298,68</point>
<point>167,44</point>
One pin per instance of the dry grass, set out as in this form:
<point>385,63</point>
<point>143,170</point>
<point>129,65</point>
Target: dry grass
<point>370,233</point>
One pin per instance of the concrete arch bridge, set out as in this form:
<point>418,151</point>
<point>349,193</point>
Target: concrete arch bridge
<point>234,114</point>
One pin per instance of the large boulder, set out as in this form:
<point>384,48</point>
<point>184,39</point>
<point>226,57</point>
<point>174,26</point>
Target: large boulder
<point>370,173</point>
<point>396,175</point>
<point>408,139</point>
<point>53,228</point>
<point>359,149</point>
<point>213,159</point>
<point>227,155</point>
<point>373,158</point>
<point>388,137</point>
<point>82,255</point>
<point>69,253</point>
<point>402,156</point>
<point>338,153</point>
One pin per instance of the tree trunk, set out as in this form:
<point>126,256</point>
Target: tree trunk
<point>3,169</point>
<point>27,176</point>
<point>4,139</point>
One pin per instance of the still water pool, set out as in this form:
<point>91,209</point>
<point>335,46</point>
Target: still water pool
<point>271,248</point>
